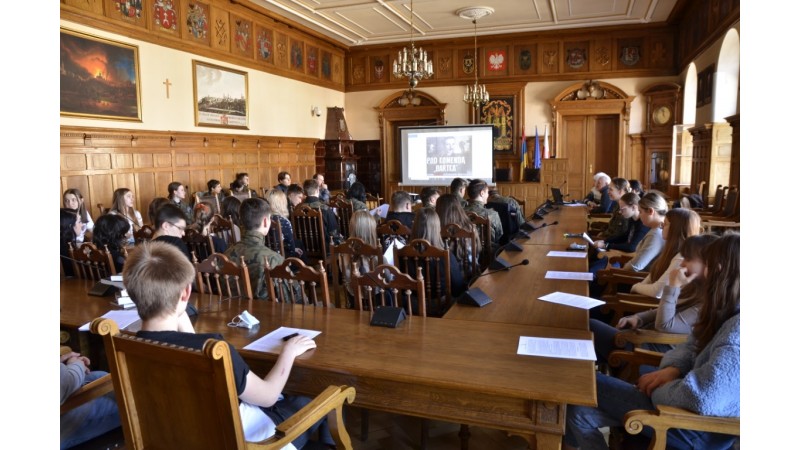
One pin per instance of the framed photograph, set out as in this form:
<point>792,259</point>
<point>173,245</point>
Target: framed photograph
<point>99,78</point>
<point>504,112</point>
<point>220,96</point>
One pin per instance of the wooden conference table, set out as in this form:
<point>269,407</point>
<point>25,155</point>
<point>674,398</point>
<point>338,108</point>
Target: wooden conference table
<point>463,369</point>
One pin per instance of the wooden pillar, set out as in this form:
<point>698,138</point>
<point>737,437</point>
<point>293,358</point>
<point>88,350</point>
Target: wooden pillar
<point>735,171</point>
<point>701,154</point>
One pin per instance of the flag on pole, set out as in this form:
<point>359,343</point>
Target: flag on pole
<point>537,156</point>
<point>546,143</point>
<point>523,155</point>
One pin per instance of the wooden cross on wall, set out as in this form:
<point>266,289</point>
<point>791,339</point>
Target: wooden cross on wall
<point>167,84</point>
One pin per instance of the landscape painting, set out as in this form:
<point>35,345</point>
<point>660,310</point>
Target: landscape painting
<point>220,96</point>
<point>99,78</point>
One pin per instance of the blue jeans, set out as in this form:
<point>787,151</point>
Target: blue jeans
<point>615,398</point>
<point>90,419</point>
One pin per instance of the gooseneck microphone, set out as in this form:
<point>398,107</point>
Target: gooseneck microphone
<point>524,262</point>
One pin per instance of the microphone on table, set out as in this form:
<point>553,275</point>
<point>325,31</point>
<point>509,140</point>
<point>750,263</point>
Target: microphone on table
<point>528,227</point>
<point>475,296</point>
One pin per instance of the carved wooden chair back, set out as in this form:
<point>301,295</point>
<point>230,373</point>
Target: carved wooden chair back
<point>200,247</point>
<point>294,282</point>
<point>344,211</point>
<point>386,284</point>
<point>309,228</point>
<point>103,210</point>
<point>211,199</point>
<point>435,264</point>
<point>223,229</point>
<point>392,229</point>
<point>217,275</point>
<point>92,263</point>
<point>274,238</point>
<point>373,202</point>
<point>143,234</point>
<point>166,393</point>
<point>242,196</point>
<point>342,258</point>
<point>464,245</point>
<point>484,226</point>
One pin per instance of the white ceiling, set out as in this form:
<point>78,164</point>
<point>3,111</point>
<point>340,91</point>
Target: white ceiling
<point>369,22</point>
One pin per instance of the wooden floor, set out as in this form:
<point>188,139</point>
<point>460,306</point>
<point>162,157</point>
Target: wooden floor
<point>395,432</point>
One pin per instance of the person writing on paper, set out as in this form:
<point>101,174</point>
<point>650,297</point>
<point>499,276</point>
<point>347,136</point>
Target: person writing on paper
<point>159,280</point>
<point>701,375</point>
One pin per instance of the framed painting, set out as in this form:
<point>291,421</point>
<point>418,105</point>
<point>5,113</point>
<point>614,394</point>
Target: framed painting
<point>99,78</point>
<point>504,112</point>
<point>220,96</point>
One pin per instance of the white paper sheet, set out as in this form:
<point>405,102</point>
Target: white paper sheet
<point>558,254</point>
<point>556,275</point>
<point>578,301</point>
<point>122,317</point>
<point>273,342</point>
<point>582,349</point>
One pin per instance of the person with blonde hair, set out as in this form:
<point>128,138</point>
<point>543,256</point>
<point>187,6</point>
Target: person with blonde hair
<point>364,227</point>
<point>280,209</point>
<point>122,204</point>
<point>73,199</point>
<point>428,226</point>
<point>449,209</point>
<point>203,214</point>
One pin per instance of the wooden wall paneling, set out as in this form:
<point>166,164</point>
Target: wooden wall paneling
<point>101,190</point>
<point>701,157</point>
<point>146,190</point>
<point>735,164</point>
<point>636,169</point>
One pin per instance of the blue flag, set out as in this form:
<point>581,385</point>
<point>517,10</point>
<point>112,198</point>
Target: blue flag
<point>523,155</point>
<point>537,156</point>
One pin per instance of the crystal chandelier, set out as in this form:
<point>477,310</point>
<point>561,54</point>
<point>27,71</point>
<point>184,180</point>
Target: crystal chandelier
<point>476,94</point>
<point>412,63</point>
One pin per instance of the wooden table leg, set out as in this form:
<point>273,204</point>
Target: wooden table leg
<point>464,434</point>
<point>542,441</point>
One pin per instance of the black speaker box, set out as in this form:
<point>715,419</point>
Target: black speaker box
<point>499,264</point>
<point>474,297</point>
<point>387,316</point>
<point>102,290</point>
<point>513,246</point>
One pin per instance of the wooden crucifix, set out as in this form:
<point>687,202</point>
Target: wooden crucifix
<point>167,84</point>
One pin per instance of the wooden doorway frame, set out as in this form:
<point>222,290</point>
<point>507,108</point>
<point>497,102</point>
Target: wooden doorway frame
<point>614,102</point>
<point>390,111</point>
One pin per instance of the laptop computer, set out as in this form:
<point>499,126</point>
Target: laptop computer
<point>558,198</point>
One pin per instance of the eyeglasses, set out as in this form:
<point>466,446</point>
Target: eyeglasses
<point>182,228</point>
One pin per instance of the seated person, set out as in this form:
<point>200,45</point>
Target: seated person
<point>362,226</point>
<point>401,209</point>
<point>71,226</point>
<point>357,196</point>
<point>324,193</point>
<point>215,190</point>
<point>701,375</point>
<point>617,225</point>
<point>242,184</point>
<point>598,200</point>
<point>278,203</point>
<point>152,209</point>
<point>428,196</point>
<point>202,224</point>
<point>230,211</point>
<point>284,180</point>
<point>428,226</point>
<point>329,219</point>
<point>73,199</point>
<point>295,196</point>
<point>171,227</point>
<point>92,418</point>
<point>636,187</point>
<point>177,195</point>
<point>110,233</point>
<point>255,216</point>
<point>458,187</point>
<point>159,281</point>
<point>478,193</point>
<point>449,210</point>
<point>122,205</point>
<point>516,209</point>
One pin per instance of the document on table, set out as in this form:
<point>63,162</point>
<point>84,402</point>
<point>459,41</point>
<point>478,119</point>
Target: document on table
<point>556,275</point>
<point>273,342</point>
<point>578,301</point>
<point>557,348</point>
<point>122,317</point>
<point>558,254</point>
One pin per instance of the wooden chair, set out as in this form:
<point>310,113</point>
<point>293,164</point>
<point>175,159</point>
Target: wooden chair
<point>435,264</point>
<point>274,238</point>
<point>392,229</point>
<point>613,279</point>
<point>200,247</point>
<point>344,211</point>
<point>103,210</point>
<point>701,191</point>
<point>300,283</point>
<point>463,244</point>
<point>521,205</point>
<point>223,229</point>
<point>719,196</point>
<point>342,256</point>
<point>373,202</point>
<point>212,200</point>
<point>730,210</point>
<point>219,275</point>
<point>388,278</point>
<point>484,226</point>
<point>91,263</point>
<point>242,196</point>
<point>624,363</point>
<point>87,393</point>
<point>143,234</point>
<point>309,228</point>
<point>175,397</point>
<point>665,417</point>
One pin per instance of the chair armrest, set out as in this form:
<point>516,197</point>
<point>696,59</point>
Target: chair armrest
<point>329,403</point>
<point>88,392</point>
<point>639,337</point>
<point>638,357</point>
<point>638,302</point>
<point>666,417</point>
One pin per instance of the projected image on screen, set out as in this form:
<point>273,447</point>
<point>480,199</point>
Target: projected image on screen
<point>449,157</point>
<point>434,155</point>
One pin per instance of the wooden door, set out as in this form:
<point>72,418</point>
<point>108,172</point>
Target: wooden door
<point>591,143</point>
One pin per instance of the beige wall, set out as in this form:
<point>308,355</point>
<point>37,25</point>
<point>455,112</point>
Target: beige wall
<point>278,106</point>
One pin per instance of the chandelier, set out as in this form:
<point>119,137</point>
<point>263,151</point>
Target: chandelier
<point>412,63</point>
<point>476,94</point>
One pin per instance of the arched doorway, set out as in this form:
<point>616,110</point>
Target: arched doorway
<point>591,132</point>
<point>401,110</point>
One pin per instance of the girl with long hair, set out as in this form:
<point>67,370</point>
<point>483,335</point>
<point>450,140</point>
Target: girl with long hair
<point>280,209</point>
<point>71,226</point>
<point>73,199</point>
<point>449,209</point>
<point>427,225</point>
<point>111,234</point>
<point>700,375</point>
<point>122,205</point>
